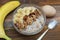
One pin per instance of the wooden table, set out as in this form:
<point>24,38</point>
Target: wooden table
<point>51,35</point>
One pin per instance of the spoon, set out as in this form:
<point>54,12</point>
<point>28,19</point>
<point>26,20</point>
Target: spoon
<point>52,24</point>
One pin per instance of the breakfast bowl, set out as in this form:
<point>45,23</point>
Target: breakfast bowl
<point>29,19</point>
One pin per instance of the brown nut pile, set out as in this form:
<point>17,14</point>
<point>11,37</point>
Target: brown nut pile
<point>28,19</point>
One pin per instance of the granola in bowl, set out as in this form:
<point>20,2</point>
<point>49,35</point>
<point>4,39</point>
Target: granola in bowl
<point>28,20</point>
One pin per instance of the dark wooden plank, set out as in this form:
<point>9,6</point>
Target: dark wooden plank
<point>51,35</point>
<point>38,2</point>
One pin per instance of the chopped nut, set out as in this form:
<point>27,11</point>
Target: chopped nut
<point>19,25</point>
<point>25,17</point>
<point>34,17</point>
<point>37,13</point>
<point>25,24</point>
<point>29,20</point>
<point>22,26</point>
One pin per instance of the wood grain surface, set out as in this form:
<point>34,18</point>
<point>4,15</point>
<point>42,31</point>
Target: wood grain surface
<point>51,35</point>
